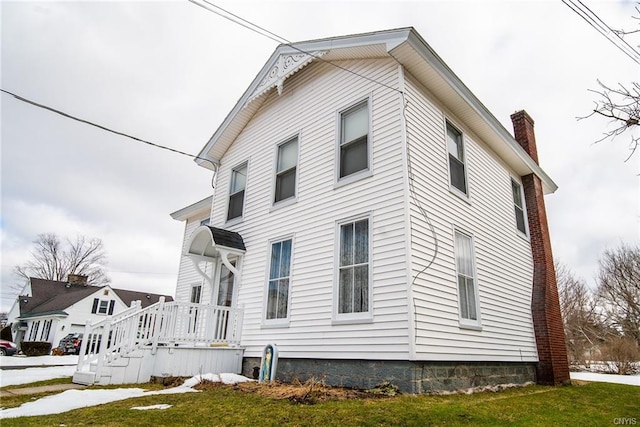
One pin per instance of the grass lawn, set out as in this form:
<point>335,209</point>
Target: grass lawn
<point>594,404</point>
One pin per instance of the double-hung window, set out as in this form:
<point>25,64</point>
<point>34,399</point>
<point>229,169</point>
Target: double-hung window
<point>457,168</point>
<point>236,191</point>
<point>286,168</point>
<point>354,140</point>
<point>103,306</point>
<point>465,269</point>
<point>354,267</point>
<point>518,206</point>
<point>279,280</point>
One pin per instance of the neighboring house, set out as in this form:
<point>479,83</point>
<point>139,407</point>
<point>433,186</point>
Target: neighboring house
<point>48,310</point>
<point>373,220</point>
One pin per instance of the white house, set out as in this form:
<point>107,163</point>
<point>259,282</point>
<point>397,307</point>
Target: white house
<point>372,220</point>
<point>48,310</point>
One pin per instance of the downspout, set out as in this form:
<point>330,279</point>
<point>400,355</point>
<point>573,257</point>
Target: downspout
<point>412,315</point>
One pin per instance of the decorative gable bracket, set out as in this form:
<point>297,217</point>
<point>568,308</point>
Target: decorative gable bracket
<point>285,66</point>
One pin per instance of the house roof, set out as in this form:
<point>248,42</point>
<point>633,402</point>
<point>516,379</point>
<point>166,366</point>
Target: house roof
<point>51,297</point>
<point>404,45</point>
<point>145,298</point>
<point>202,206</point>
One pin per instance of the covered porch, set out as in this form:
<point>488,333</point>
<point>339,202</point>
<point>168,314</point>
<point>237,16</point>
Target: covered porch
<point>173,338</point>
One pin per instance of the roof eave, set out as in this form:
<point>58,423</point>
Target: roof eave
<point>193,209</point>
<point>432,58</point>
<point>394,39</point>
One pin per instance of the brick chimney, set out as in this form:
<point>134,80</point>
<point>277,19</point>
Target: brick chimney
<point>77,279</point>
<point>553,367</point>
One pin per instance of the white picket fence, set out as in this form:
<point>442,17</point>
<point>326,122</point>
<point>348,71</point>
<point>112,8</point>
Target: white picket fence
<point>161,324</point>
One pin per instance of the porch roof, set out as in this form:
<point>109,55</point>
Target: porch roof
<point>206,241</point>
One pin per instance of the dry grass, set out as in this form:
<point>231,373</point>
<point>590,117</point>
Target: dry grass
<point>308,393</point>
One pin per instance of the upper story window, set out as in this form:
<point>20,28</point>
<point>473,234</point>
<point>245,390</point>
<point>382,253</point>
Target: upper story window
<point>354,140</point>
<point>236,191</point>
<point>205,221</point>
<point>457,162</point>
<point>465,269</point>
<point>286,168</point>
<point>103,306</point>
<point>354,267</point>
<point>279,280</point>
<point>518,206</point>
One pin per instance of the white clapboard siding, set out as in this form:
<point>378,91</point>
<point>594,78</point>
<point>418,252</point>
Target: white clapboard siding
<point>502,255</point>
<point>187,276</point>
<point>308,107</point>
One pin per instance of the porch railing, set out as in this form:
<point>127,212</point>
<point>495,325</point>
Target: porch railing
<point>160,324</point>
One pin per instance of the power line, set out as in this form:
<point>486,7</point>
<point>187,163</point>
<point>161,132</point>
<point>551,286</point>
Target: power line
<point>270,35</point>
<point>69,116</point>
<point>600,26</point>
<point>243,22</point>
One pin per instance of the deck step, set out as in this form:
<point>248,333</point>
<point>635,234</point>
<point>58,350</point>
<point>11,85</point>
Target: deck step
<point>84,377</point>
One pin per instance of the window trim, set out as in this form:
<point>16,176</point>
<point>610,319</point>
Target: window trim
<point>455,190</point>
<point>239,218</point>
<point>279,322</point>
<point>364,173</point>
<point>191,289</point>
<point>359,317</point>
<point>463,322</point>
<point>293,199</point>
<point>525,218</point>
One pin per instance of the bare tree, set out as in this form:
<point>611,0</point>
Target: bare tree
<point>621,105</point>
<point>619,289</point>
<point>53,259</point>
<point>583,326</point>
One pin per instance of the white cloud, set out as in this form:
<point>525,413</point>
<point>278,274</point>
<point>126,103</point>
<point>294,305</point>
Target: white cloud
<point>170,72</point>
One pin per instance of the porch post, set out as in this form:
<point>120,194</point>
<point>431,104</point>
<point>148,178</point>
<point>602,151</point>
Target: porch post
<point>157,326</point>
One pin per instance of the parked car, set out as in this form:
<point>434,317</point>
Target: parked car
<point>70,344</point>
<point>7,348</point>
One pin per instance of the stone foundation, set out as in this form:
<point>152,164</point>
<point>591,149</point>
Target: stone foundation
<point>410,377</point>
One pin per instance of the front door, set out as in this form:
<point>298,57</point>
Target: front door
<point>224,298</point>
<point>226,286</point>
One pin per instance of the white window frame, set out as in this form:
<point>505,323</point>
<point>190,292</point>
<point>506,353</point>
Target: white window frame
<point>191,291</point>
<point>278,322</point>
<point>294,198</point>
<point>364,173</point>
<point>33,333</point>
<point>465,163</point>
<point>234,169</point>
<point>354,317</point>
<point>467,323</point>
<point>106,306</point>
<point>46,329</point>
<point>523,208</point>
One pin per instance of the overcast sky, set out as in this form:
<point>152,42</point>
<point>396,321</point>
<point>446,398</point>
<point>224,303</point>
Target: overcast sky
<point>170,72</point>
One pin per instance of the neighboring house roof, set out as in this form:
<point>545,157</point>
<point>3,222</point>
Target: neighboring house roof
<point>403,45</point>
<point>51,297</point>
<point>145,298</point>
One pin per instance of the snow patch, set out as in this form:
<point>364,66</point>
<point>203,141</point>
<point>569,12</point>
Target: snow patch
<point>74,399</point>
<point>146,408</point>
